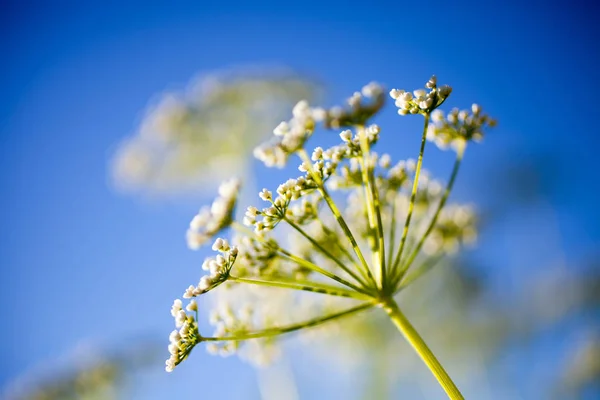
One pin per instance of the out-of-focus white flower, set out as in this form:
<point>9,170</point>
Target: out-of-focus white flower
<point>191,138</point>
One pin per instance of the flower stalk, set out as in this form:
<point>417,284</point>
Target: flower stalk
<point>418,344</point>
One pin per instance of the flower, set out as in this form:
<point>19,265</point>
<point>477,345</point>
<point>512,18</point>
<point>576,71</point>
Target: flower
<point>207,126</point>
<point>458,127</point>
<point>420,101</point>
<point>211,220</point>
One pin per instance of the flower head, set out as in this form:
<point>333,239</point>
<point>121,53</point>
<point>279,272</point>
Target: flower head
<point>421,101</point>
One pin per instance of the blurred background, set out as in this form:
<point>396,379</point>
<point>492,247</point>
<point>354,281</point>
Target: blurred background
<point>117,121</point>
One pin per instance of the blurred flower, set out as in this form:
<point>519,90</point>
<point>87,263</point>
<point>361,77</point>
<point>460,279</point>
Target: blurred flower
<point>192,138</point>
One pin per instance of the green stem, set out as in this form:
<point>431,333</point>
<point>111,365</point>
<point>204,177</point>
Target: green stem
<point>326,253</point>
<point>335,237</point>
<point>365,168</point>
<point>317,269</point>
<point>304,286</point>
<point>298,260</point>
<point>392,237</point>
<point>419,345</point>
<point>417,273</point>
<point>380,234</point>
<point>442,203</point>
<point>290,328</point>
<point>413,196</point>
<point>338,216</point>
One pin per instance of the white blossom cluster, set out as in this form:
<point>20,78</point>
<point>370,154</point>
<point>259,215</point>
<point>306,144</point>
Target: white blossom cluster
<point>211,220</point>
<point>290,136</point>
<point>456,226</point>
<point>458,127</point>
<point>421,101</point>
<point>183,340</point>
<point>323,245</point>
<point>362,106</point>
<point>218,268</point>
<point>199,135</point>
<point>255,258</point>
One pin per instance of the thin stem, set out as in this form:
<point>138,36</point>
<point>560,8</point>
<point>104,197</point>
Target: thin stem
<point>326,252</point>
<point>442,203</point>
<point>338,216</point>
<point>419,345</point>
<point>333,235</point>
<point>314,287</point>
<point>418,272</point>
<point>316,268</point>
<point>364,161</point>
<point>380,234</point>
<point>300,261</point>
<point>413,196</point>
<point>392,238</point>
<point>291,328</point>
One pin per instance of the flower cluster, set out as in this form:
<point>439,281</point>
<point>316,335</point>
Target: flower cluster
<point>200,135</point>
<point>421,101</point>
<point>182,341</point>
<point>211,220</point>
<point>290,136</point>
<point>455,226</point>
<point>218,267</point>
<point>362,106</point>
<point>458,127</point>
<point>393,217</point>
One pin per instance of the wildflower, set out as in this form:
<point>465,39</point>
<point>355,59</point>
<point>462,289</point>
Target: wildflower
<point>211,220</point>
<point>458,127</point>
<point>421,101</point>
<point>347,254</point>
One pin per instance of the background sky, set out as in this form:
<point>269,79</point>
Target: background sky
<point>81,263</point>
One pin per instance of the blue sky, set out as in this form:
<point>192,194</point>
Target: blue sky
<point>80,262</point>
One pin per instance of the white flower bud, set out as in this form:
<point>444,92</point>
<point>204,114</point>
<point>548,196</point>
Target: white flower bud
<point>204,283</point>
<point>346,135</point>
<point>193,306</point>
<point>281,129</point>
<point>266,195</point>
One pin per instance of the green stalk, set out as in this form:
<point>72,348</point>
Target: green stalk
<point>374,239</point>
<point>419,345</point>
<point>417,273</point>
<point>298,260</point>
<point>334,236</point>
<point>413,196</point>
<point>338,216</point>
<point>380,234</point>
<point>442,203</point>
<point>317,269</point>
<point>326,253</point>
<point>291,328</point>
<point>314,287</point>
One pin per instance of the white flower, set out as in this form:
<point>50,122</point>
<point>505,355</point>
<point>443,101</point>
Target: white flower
<point>266,195</point>
<point>210,220</point>
<point>174,337</point>
<point>192,306</point>
<point>189,292</point>
<point>346,135</point>
<point>355,100</point>
<point>175,149</point>
<point>373,89</point>
<point>205,283</point>
<point>176,307</point>
<point>281,129</point>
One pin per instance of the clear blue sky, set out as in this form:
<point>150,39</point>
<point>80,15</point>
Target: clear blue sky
<point>80,262</point>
